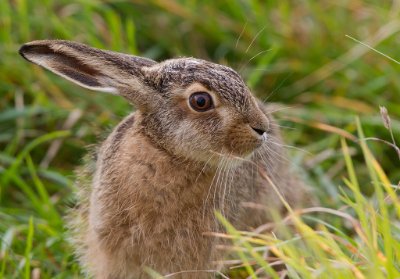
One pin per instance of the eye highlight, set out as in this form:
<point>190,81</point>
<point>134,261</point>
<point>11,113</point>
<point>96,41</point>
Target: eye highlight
<point>201,101</point>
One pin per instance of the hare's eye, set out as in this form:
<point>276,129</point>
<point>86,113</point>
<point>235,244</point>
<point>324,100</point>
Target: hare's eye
<point>201,101</point>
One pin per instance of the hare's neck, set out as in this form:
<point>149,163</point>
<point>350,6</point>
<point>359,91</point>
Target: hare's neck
<point>138,180</point>
<point>143,200</point>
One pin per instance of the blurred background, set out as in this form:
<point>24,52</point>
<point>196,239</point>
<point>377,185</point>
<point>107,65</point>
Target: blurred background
<point>292,53</point>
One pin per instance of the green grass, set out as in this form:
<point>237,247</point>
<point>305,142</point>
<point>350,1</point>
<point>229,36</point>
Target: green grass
<point>366,247</point>
<point>295,53</point>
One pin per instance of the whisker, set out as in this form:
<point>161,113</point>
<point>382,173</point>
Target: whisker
<point>258,54</point>
<point>254,39</point>
<point>241,34</point>
<point>271,152</point>
<point>265,162</point>
<point>222,188</point>
<point>292,147</point>
<point>230,185</point>
<point>197,271</point>
<point>270,166</point>
<point>205,165</point>
<point>271,158</point>
<point>219,185</point>
<point>280,109</point>
<point>248,61</point>
<point>241,64</point>
<point>231,173</point>
<point>282,126</point>
<point>278,87</point>
<point>226,184</point>
<point>233,157</point>
<point>217,182</point>
<point>209,189</point>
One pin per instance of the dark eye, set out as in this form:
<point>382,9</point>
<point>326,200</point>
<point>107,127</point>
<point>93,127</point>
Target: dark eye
<point>201,101</point>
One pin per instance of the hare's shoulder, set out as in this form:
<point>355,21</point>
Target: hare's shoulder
<point>122,129</point>
<point>115,144</point>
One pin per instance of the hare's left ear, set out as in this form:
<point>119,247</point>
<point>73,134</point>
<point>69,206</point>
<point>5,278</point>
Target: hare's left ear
<point>92,68</point>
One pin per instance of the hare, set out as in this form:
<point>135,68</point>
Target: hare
<point>198,142</point>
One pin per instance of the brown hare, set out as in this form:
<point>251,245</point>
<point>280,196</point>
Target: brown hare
<point>197,142</point>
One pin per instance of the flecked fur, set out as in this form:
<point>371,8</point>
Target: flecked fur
<point>148,199</point>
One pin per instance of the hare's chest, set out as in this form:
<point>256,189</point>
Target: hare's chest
<point>146,205</point>
<point>173,239</point>
<point>176,209</point>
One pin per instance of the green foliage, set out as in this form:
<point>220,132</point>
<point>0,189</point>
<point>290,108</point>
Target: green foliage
<point>291,52</point>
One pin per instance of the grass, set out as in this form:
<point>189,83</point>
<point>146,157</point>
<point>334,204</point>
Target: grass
<point>293,53</point>
<point>367,247</point>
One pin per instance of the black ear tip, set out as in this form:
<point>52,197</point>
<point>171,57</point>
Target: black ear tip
<point>33,49</point>
<point>23,50</point>
<point>29,50</point>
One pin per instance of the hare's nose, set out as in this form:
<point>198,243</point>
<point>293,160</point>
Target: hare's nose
<point>258,131</point>
<point>261,132</point>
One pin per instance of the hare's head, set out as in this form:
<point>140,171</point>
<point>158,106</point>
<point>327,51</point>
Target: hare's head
<point>189,107</point>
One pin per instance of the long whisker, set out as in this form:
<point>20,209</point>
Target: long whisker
<point>233,157</point>
<point>258,54</point>
<point>204,167</point>
<point>231,174</point>
<point>280,109</point>
<point>278,87</point>
<point>268,163</point>
<point>226,184</point>
<point>271,158</point>
<point>230,184</point>
<point>271,152</point>
<point>222,189</point>
<point>209,188</point>
<point>241,34</point>
<point>292,147</point>
<point>282,126</point>
<point>255,38</point>
<point>255,56</point>
<point>241,64</point>
<point>218,185</point>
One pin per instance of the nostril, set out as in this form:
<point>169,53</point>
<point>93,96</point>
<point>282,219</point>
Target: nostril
<point>258,131</point>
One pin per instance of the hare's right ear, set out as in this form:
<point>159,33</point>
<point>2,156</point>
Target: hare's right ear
<point>92,68</point>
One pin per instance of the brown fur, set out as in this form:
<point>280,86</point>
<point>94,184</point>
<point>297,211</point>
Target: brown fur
<point>149,198</point>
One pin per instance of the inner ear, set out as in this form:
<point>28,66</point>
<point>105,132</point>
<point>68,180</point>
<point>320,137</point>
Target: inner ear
<point>92,68</point>
<point>65,64</point>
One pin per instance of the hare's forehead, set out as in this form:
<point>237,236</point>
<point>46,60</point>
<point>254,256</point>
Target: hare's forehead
<point>221,79</point>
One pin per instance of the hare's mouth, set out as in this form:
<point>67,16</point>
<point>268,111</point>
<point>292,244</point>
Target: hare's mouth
<point>235,150</point>
<point>244,148</point>
<point>241,151</point>
<point>244,140</point>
